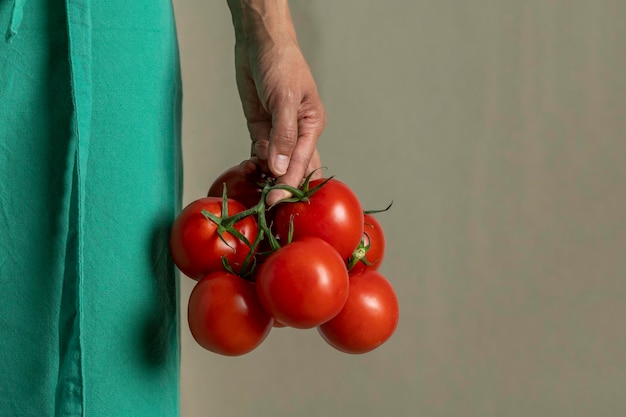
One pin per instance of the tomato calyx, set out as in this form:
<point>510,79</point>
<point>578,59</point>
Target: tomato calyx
<point>360,253</point>
<point>225,222</point>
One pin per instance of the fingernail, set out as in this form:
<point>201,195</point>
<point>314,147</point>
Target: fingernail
<point>247,166</point>
<point>280,164</point>
<point>261,148</point>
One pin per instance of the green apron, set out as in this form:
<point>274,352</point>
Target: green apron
<point>90,181</point>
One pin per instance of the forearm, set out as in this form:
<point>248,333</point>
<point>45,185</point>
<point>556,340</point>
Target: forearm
<point>283,110</point>
<point>261,20</point>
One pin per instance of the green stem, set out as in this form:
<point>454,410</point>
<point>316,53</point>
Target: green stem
<point>225,223</point>
<point>262,220</point>
<point>378,211</point>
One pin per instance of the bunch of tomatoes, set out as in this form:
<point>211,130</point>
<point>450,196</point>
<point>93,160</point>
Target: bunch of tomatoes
<point>310,261</point>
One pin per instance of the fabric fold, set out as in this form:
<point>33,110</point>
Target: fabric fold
<point>17,14</point>
<point>70,390</point>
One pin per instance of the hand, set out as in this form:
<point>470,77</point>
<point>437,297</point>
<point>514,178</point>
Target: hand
<point>284,113</point>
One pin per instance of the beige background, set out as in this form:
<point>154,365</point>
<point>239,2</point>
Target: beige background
<point>498,128</point>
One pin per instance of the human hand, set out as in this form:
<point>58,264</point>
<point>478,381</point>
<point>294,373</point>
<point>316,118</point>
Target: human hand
<point>284,112</point>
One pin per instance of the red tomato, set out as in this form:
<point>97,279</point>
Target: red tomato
<point>369,317</point>
<point>196,247</point>
<point>333,213</point>
<point>303,284</point>
<point>373,237</point>
<point>241,185</point>
<point>225,315</point>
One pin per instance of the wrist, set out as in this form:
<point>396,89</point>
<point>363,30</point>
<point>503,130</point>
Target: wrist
<point>258,21</point>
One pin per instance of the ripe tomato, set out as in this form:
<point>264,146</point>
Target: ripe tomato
<point>196,247</point>
<point>225,315</point>
<point>303,284</point>
<point>373,237</point>
<point>333,213</point>
<point>369,317</point>
<point>241,185</point>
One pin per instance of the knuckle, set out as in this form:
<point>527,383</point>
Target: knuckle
<point>283,97</point>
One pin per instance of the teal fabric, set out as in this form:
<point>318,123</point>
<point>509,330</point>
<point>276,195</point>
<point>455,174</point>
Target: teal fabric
<point>90,182</point>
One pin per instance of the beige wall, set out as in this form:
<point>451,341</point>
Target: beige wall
<point>498,128</point>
